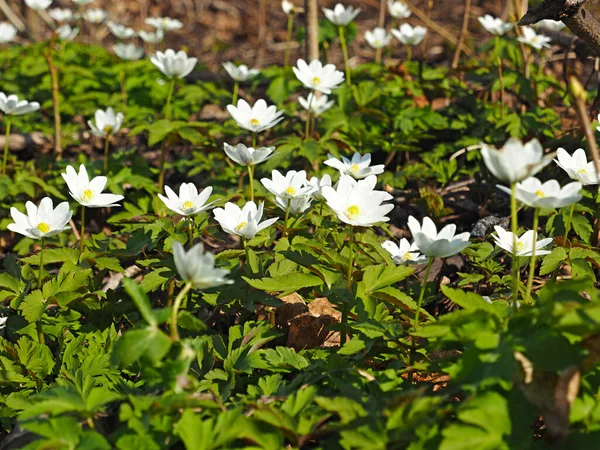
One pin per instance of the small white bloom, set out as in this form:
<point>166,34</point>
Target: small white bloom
<point>515,161</point>
<point>198,267</point>
<point>531,38</point>
<point>43,221</point>
<point>95,15</point>
<point>404,252</point>
<point>128,52</point>
<point>296,205</point>
<point>62,15</point>
<point>552,25</point>
<point>248,156</point>
<point>106,122</point>
<point>241,72</point>
<point>409,35</point>
<point>164,23</point>
<point>358,167</point>
<point>245,222</point>
<point>317,76</point>
<point>7,32</point>
<point>292,185</point>
<point>536,194</point>
<point>505,240</point>
<point>577,166</point>
<point>318,186</point>
<point>82,2</point>
<point>67,33</point>
<point>120,31</point>
<point>289,8</point>
<point>317,105</point>
<point>174,65</point>
<point>434,244</point>
<point>38,5</point>
<point>89,193</point>
<point>378,38</point>
<point>357,203</point>
<point>11,105</point>
<point>398,10</point>
<point>189,201</point>
<point>495,25</point>
<point>152,37</point>
<point>341,15</point>
<point>257,118</point>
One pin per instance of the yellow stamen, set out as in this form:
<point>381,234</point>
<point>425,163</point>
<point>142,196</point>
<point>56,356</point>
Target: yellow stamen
<point>290,191</point>
<point>582,170</point>
<point>108,129</point>
<point>43,227</point>
<point>254,122</point>
<point>240,226</point>
<point>87,195</point>
<point>354,168</point>
<point>520,246</point>
<point>408,256</point>
<point>352,211</point>
<point>188,205</point>
<point>539,193</point>
<point>316,81</point>
<point>377,43</point>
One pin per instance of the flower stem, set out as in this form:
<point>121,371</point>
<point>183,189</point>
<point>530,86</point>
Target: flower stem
<point>236,89</point>
<point>251,181</point>
<point>191,230</point>
<point>106,147</point>
<point>515,229</point>
<point>169,99</point>
<point>288,40</point>
<point>308,116</point>
<point>6,146</point>
<point>568,224</point>
<point>247,255</point>
<point>175,311</point>
<point>408,56</point>
<point>345,311</point>
<point>287,216</point>
<point>41,271</point>
<point>82,232</point>
<point>123,90</point>
<point>536,219</point>
<point>254,140</point>
<point>345,52</point>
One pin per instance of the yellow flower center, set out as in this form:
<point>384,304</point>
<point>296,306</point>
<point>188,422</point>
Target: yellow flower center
<point>539,193</point>
<point>290,191</point>
<point>108,129</point>
<point>584,170</point>
<point>240,226</point>
<point>43,227</point>
<point>519,246</point>
<point>316,81</point>
<point>377,43</point>
<point>408,256</point>
<point>352,211</point>
<point>188,205</point>
<point>87,195</point>
<point>254,122</point>
<point>354,168</point>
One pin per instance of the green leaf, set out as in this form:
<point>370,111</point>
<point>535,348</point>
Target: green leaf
<point>141,300</point>
<point>149,344</point>
<point>33,306</point>
<point>285,283</point>
<point>381,275</point>
<point>351,347</point>
<point>553,260</point>
<point>466,300</point>
<point>159,131</point>
<point>582,227</point>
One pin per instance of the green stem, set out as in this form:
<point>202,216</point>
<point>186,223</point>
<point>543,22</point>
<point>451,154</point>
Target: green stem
<point>345,52</point>
<point>345,309</point>
<point>408,55</point>
<point>106,147</point>
<point>320,214</point>
<point>123,90</point>
<point>251,181</point>
<point>236,89</point>
<point>82,235</point>
<point>191,230</point>
<point>161,174</point>
<point>254,139</point>
<point>515,229</point>
<point>6,146</point>
<point>536,219</point>
<point>287,216</point>
<point>41,271</point>
<point>288,40</point>
<point>247,255</point>
<point>175,311</point>
<point>308,116</point>
<point>169,99</point>
<point>568,224</point>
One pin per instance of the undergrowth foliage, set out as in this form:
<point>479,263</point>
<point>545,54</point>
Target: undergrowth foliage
<point>264,301</point>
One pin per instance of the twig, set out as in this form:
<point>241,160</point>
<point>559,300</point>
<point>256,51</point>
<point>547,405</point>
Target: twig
<point>312,25</point>
<point>11,16</point>
<point>463,33</point>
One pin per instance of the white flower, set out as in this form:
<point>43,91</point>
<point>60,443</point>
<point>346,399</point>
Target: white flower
<point>358,204</point>
<point>536,194</point>
<point>257,118</point>
<point>404,252</point>
<point>152,37</point>
<point>292,185</point>
<point>89,193</point>
<point>409,35</point>
<point>358,167</point>
<point>7,32</point>
<point>67,33</point>
<point>552,25</point>
<point>164,23</point>
<point>62,15</point>
<point>248,156</point>
<point>174,65</point>
<point>577,166</point>
<point>106,122</point>
<point>378,38</point>
<point>189,201</point>
<point>505,240</point>
<point>296,205</point>
<point>43,221</point>
<point>241,72</point>
<point>11,105</point>
<point>317,105</point>
<point>341,15</point>
<point>198,267</point>
<point>245,222</point>
<point>289,8</point>
<point>531,38</point>
<point>128,52</point>
<point>38,5</point>
<point>95,15</point>
<point>398,10</point>
<point>317,76</point>
<point>515,161</point>
<point>120,31</point>
<point>318,186</point>
<point>434,244</point>
<point>82,2</point>
<point>495,25</point>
